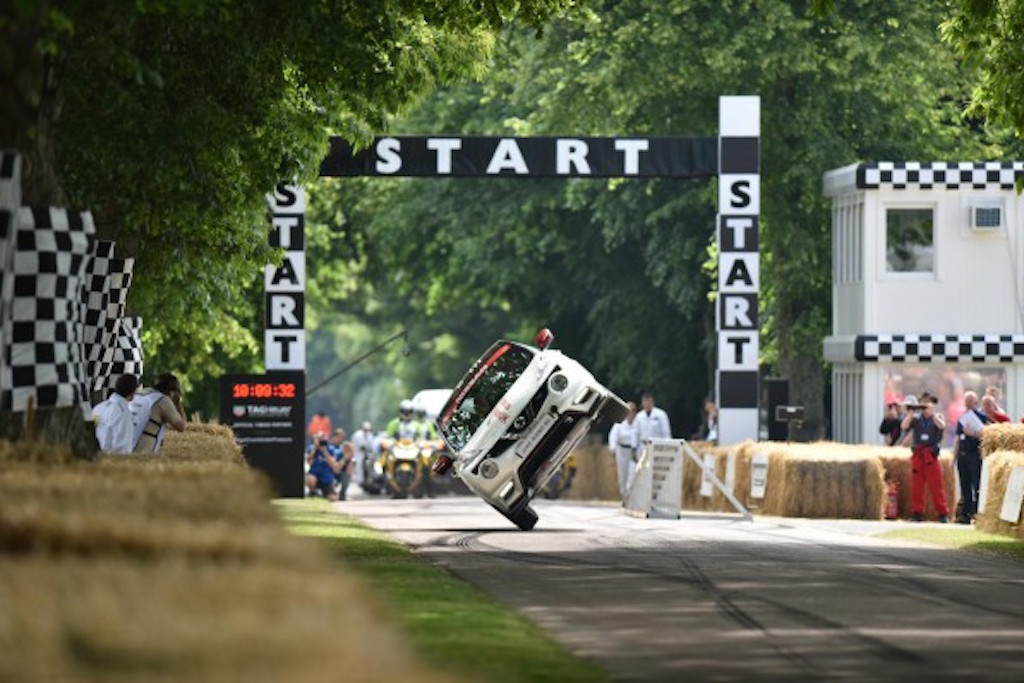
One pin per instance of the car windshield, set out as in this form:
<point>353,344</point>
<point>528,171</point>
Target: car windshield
<point>480,390</point>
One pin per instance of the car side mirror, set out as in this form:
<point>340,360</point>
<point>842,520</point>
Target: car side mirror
<point>544,339</point>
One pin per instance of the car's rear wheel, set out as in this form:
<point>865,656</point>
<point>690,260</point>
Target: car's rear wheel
<point>612,409</point>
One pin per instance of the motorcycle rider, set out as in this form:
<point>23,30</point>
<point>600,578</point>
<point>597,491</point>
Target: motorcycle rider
<point>404,426</point>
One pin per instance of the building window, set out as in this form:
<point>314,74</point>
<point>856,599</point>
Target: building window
<point>909,240</point>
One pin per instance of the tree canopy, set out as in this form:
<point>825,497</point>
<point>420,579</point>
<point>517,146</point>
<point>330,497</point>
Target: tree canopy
<point>623,269</point>
<point>172,119</point>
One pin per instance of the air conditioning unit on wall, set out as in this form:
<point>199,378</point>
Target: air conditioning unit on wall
<point>987,215</point>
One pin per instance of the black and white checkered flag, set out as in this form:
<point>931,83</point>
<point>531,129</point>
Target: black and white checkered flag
<point>10,200</point>
<point>95,297</point>
<point>43,338</point>
<point>119,280</point>
<point>124,356</point>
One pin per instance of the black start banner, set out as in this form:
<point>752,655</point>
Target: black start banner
<point>533,157</point>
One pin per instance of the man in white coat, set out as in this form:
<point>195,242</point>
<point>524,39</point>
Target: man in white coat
<point>651,423</point>
<point>620,440</point>
<point>113,418</point>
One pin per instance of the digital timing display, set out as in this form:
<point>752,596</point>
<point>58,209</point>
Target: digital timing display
<point>263,390</point>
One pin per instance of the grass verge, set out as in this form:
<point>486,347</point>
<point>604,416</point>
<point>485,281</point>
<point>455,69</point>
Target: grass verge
<point>453,625</point>
<point>962,538</point>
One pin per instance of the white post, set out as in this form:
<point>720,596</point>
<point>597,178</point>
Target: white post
<point>739,205</point>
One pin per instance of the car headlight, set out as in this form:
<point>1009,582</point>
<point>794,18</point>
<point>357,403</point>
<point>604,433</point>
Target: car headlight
<point>558,382</point>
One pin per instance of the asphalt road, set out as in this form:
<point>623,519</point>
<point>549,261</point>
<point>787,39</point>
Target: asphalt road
<point>715,598</point>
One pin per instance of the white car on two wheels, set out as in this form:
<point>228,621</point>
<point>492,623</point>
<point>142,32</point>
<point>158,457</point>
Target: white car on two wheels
<point>513,419</point>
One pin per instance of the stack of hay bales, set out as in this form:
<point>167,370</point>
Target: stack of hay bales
<point>823,480</point>
<point>173,567</point>
<point>819,480</point>
<point>1002,447</point>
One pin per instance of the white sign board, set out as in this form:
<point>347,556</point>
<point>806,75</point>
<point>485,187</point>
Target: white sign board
<point>730,471</point>
<point>657,489</point>
<point>758,474</point>
<point>707,482</point>
<point>1013,496</point>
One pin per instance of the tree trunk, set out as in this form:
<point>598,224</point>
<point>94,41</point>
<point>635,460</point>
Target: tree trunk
<point>57,426</point>
<point>29,111</point>
<point>807,389</point>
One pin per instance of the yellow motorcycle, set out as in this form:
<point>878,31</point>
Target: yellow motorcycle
<point>404,466</point>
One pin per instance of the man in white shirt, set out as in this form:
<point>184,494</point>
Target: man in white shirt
<point>365,443</point>
<point>113,418</point>
<point>620,440</point>
<point>651,423</point>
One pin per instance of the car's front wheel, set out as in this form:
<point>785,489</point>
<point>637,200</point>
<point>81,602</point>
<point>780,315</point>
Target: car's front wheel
<point>524,518</point>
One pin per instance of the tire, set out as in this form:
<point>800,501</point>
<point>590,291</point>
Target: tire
<point>524,518</point>
<point>612,409</point>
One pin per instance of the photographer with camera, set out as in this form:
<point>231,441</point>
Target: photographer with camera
<point>926,426</point>
<point>324,468</point>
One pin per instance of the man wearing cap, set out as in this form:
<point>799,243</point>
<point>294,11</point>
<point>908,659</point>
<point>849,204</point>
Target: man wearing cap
<point>926,426</point>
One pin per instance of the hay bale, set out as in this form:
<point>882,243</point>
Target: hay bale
<point>596,476</point>
<point>111,619</point>
<point>1000,465</point>
<point>172,567</point>
<point>202,442</point>
<point>34,452</point>
<point>1002,437</point>
<point>896,462</point>
<point>824,480</point>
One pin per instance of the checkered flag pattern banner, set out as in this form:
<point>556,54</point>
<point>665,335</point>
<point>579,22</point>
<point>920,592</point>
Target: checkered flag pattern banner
<point>940,175</point>
<point>10,200</point>
<point>124,355</point>
<point>95,297</point>
<point>43,331</point>
<point>940,348</point>
<point>119,280</point>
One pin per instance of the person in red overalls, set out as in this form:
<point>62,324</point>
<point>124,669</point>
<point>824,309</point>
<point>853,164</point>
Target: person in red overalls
<point>926,425</point>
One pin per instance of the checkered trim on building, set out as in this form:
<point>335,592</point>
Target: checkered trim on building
<point>940,348</point>
<point>939,175</point>
<point>43,336</point>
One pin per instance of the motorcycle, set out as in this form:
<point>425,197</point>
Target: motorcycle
<point>404,467</point>
<point>375,479</point>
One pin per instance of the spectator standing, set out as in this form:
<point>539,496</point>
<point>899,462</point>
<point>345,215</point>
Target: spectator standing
<point>115,430</point>
<point>926,425</point>
<point>709,427</point>
<point>155,409</point>
<point>651,423</point>
<point>967,456</point>
<point>891,427</point>
<point>621,440</point>
<point>992,410</point>
<point>365,445</point>
<point>320,423</point>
